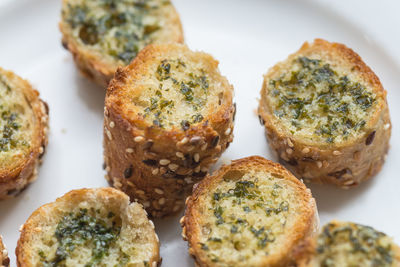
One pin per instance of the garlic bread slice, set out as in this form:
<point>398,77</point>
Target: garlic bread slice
<point>89,227</point>
<point>326,115</point>
<point>250,213</point>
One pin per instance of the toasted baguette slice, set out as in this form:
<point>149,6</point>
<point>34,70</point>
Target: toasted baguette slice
<point>251,213</point>
<point>168,117</point>
<point>346,244</point>
<point>23,133</point>
<point>326,115</point>
<point>4,260</point>
<point>104,35</point>
<point>89,227</point>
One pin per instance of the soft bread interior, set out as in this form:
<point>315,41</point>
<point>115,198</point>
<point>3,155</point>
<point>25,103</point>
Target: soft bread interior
<point>248,216</point>
<point>350,244</point>
<point>320,97</point>
<point>116,233</point>
<point>180,89</point>
<point>118,30</point>
<point>17,121</point>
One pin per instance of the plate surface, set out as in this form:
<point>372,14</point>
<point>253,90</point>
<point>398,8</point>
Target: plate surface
<point>247,37</point>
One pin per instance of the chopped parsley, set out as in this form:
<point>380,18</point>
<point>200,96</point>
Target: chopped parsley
<point>234,208</point>
<point>121,28</point>
<point>360,245</point>
<point>11,123</point>
<point>315,94</point>
<point>192,90</point>
<point>82,229</point>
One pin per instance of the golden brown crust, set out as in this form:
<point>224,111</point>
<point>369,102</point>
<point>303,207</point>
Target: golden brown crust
<point>304,227</point>
<point>23,170</point>
<point>134,146</point>
<point>344,164</point>
<point>132,213</point>
<point>93,65</point>
<point>4,260</point>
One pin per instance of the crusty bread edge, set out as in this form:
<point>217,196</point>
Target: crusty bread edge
<point>28,227</point>
<point>350,56</point>
<point>120,137</point>
<point>322,156</point>
<point>90,63</point>
<point>308,227</point>
<point>15,180</point>
<point>4,259</point>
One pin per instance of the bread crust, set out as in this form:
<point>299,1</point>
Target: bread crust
<point>346,163</point>
<point>93,65</point>
<point>4,260</point>
<point>131,213</point>
<point>304,228</point>
<point>23,169</point>
<point>156,186</point>
<point>306,251</point>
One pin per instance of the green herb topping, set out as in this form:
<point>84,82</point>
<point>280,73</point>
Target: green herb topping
<point>360,245</point>
<point>83,230</point>
<point>8,132</point>
<point>246,214</point>
<point>121,28</point>
<point>10,136</point>
<point>192,90</point>
<point>313,93</point>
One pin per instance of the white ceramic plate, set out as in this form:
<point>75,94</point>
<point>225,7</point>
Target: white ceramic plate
<point>247,37</point>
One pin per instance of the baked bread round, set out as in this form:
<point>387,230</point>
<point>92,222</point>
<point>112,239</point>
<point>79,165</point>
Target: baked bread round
<point>23,133</point>
<point>168,117</point>
<point>347,244</point>
<point>104,35</point>
<point>89,227</point>
<point>4,260</point>
<point>250,213</point>
<point>326,115</point>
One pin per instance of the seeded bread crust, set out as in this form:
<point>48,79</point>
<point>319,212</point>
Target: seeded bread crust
<point>304,226</point>
<point>136,229</point>
<point>306,254</point>
<point>4,260</point>
<point>346,163</point>
<point>98,68</point>
<point>157,166</point>
<point>22,169</point>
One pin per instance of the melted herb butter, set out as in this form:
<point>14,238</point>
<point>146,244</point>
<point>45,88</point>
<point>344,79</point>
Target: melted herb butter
<point>247,217</point>
<point>177,85</point>
<point>80,229</point>
<point>10,136</point>
<point>313,94</point>
<point>121,28</point>
<point>356,244</point>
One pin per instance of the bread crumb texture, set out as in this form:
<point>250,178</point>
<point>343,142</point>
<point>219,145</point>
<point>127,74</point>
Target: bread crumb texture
<point>325,114</point>
<point>168,117</point>
<point>177,89</point>
<point>320,100</point>
<point>16,127</point>
<point>88,228</point>
<point>118,30</point>
<point>250,218</point>
<point>349,244</point>
<point>250,215</point>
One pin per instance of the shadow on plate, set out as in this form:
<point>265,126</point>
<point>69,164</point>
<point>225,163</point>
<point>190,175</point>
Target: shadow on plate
<point>92,94</point>
<point>168,229</point>
<point>330,198</point>
<point>11,205</point>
